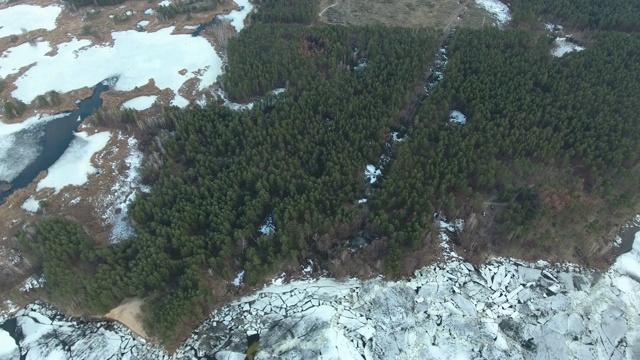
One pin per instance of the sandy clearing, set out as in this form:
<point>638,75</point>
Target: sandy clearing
<point>129,313</point>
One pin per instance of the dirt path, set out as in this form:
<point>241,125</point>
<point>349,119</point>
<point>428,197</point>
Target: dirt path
<point>129,314</point>
<point>325,9</point>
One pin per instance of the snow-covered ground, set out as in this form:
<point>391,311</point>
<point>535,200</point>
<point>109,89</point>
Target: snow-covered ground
<point>236,17</point>
<point>20,144</point>
<point>33,282</point>
<point>499,10</point>
<point>140,103</point>
<point>18,18</point>
<point>15,58</point>
<point>562,47</point>
<point>74,166</point>
<point>123,192</point>
<point>31,205</point>
<point>136,57</point>
<point>458,117</point>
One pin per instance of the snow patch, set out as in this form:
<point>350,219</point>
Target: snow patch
<point>239,279</point>
<point>149,12</point>
<point>237,17</point>
<point>123,192</point>
<point>28,17</point>
<point>143,23</point>
<point>457,117</point>
<point>31,205</point>
<point>74,166</point>
<point>562,47</point>
<point>164,3</point>
<point>268,227</point>
<point>396,137</point>
<point>496,8</point>
<point>231,105</point>
<point>372,173</point>
<point>134,58</point>
<point>140,103</point>
<point>33,282</point>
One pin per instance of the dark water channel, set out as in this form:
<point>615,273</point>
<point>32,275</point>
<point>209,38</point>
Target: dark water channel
<point>55,139</point>
<point>216,20</point>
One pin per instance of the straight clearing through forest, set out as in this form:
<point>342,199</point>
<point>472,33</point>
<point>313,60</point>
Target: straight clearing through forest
<point>405,13</point>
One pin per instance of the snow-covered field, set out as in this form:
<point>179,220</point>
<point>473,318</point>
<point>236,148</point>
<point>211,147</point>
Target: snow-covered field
<point>15,58</point>
<point>499,10</point>
<point>140,103</point>
<point>18,18</point>
<point>20,144</point>
<point>562,47</point>
<point>135,57</point>
<point>74,166</point>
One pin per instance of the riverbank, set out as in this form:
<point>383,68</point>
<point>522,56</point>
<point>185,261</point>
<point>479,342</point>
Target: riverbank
<point>505,308</point>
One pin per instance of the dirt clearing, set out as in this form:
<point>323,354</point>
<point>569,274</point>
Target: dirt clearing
<point>129,314</point>
<point>405,13</point>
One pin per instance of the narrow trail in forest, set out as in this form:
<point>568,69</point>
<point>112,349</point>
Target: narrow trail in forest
<point>325,9</point>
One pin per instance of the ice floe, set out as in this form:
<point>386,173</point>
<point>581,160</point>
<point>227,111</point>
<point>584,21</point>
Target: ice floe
<point>503,309</point>
<point>74,166</point>
<point>499,10</point>
<point>140,103</point>
<point>18,18</point>
<point>135,57</point>
<point>8,347</point>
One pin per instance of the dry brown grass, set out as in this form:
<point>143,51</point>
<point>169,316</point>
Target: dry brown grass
<point>575,224</point>
<point>405,13</point>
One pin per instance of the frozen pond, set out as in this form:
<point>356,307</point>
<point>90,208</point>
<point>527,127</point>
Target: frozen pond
<point>135,57</point>
<point>28,148</point>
